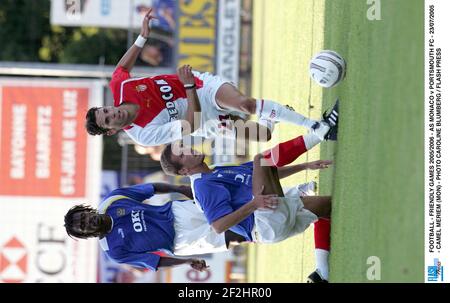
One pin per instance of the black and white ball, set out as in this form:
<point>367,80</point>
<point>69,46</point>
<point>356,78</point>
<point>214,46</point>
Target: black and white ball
<point>327,68</point>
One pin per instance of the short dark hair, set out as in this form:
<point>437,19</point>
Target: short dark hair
<point>169,166</point>
<point>91,123</point>
<point>69,222</point>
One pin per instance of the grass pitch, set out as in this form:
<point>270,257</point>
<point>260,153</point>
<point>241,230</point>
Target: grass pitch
<point>377,180</point>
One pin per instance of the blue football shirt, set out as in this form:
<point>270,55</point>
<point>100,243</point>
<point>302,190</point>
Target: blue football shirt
<point>141,233</point>
<point>223,191</point>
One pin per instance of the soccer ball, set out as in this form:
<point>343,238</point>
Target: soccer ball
<point>327,68</point>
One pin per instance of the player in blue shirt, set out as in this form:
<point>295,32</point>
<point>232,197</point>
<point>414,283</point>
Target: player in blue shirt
<point>143,235</point>
<point>248,199</point>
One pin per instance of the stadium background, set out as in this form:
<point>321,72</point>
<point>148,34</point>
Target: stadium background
<point>376,182</point>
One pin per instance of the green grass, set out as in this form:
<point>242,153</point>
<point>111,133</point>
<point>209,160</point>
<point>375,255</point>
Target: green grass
<point>378,180</point>
<point>286,35</point>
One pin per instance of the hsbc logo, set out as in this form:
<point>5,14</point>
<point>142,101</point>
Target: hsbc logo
<point>13,261</point>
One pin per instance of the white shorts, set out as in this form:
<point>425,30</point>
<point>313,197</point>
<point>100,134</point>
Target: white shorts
<point>211,124</point>
<point>290,218</point>
<point>193,234</point>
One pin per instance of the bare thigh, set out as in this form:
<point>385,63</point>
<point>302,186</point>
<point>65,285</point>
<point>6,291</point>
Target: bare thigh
<point>229,97</point>
<point>319,205</point>
<point>251,130</point>
<point>266,176</point>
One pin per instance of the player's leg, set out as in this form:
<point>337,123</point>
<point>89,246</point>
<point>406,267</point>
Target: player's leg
<point>322,228</point>
<point>319,205</point>
<point>229,97</point>
<point>250,130</point>
<point>288,151</point>
<point>265,177</point>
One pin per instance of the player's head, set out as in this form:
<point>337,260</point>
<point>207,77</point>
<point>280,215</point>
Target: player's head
<point>84,222</point>
<point>106,120</point>
<point>179,160</point>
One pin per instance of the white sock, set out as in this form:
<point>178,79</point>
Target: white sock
<point>311,140</point>
<point>322,262</point>
<point>267,123</point>
<point>274,111</point>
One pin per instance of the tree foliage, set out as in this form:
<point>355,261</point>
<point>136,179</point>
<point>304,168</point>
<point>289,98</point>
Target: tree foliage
<point>27,35</point>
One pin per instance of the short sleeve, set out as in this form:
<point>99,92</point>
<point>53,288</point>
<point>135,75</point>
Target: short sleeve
<point>138,192</point>
<point>156,134</point>
<point>120,74</point>
<point>142,260</point>
<point>214,199</point>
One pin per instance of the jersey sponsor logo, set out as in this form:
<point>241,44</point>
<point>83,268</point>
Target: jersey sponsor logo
<point>167,95</point>
<point>137,218</point>
<point>141,87</point>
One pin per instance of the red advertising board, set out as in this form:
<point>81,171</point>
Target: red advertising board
<point>48,164</point>
<point>43,141</point>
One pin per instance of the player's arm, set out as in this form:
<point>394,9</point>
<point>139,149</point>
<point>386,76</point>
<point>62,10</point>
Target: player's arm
<point>197,264</point>
<point>139,192</point>
<point>129,59</point>
<point>259,201</point>
<point>286,171</point>
<point>164,188</point>
<point>187,78</point>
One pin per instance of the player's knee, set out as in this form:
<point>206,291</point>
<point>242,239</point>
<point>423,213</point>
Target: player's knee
<point>248,105</point>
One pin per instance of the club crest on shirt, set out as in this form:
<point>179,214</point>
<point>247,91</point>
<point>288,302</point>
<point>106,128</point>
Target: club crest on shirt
<point>141,87</point>
<point>272,114</point>
<point>120,212</point>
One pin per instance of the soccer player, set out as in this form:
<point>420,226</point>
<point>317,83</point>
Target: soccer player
<point>248,199</point>
<point>148,236</point>
<point>160,109</point>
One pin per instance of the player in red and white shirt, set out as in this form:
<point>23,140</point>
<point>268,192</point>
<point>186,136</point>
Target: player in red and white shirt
<point>161,109</point>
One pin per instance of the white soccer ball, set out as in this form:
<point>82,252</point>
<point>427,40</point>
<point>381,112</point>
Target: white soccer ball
<point>327,68</point>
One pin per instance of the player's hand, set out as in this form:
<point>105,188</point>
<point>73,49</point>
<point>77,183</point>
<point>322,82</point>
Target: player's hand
<point>265,201</point>
<point>199,264</point>
<point>185,74</point>
<point>319,164</point>
<point>145,28</point>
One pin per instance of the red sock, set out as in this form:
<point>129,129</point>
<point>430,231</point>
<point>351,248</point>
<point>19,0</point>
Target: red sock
<point>322,234</point>
<point>286,152</point>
